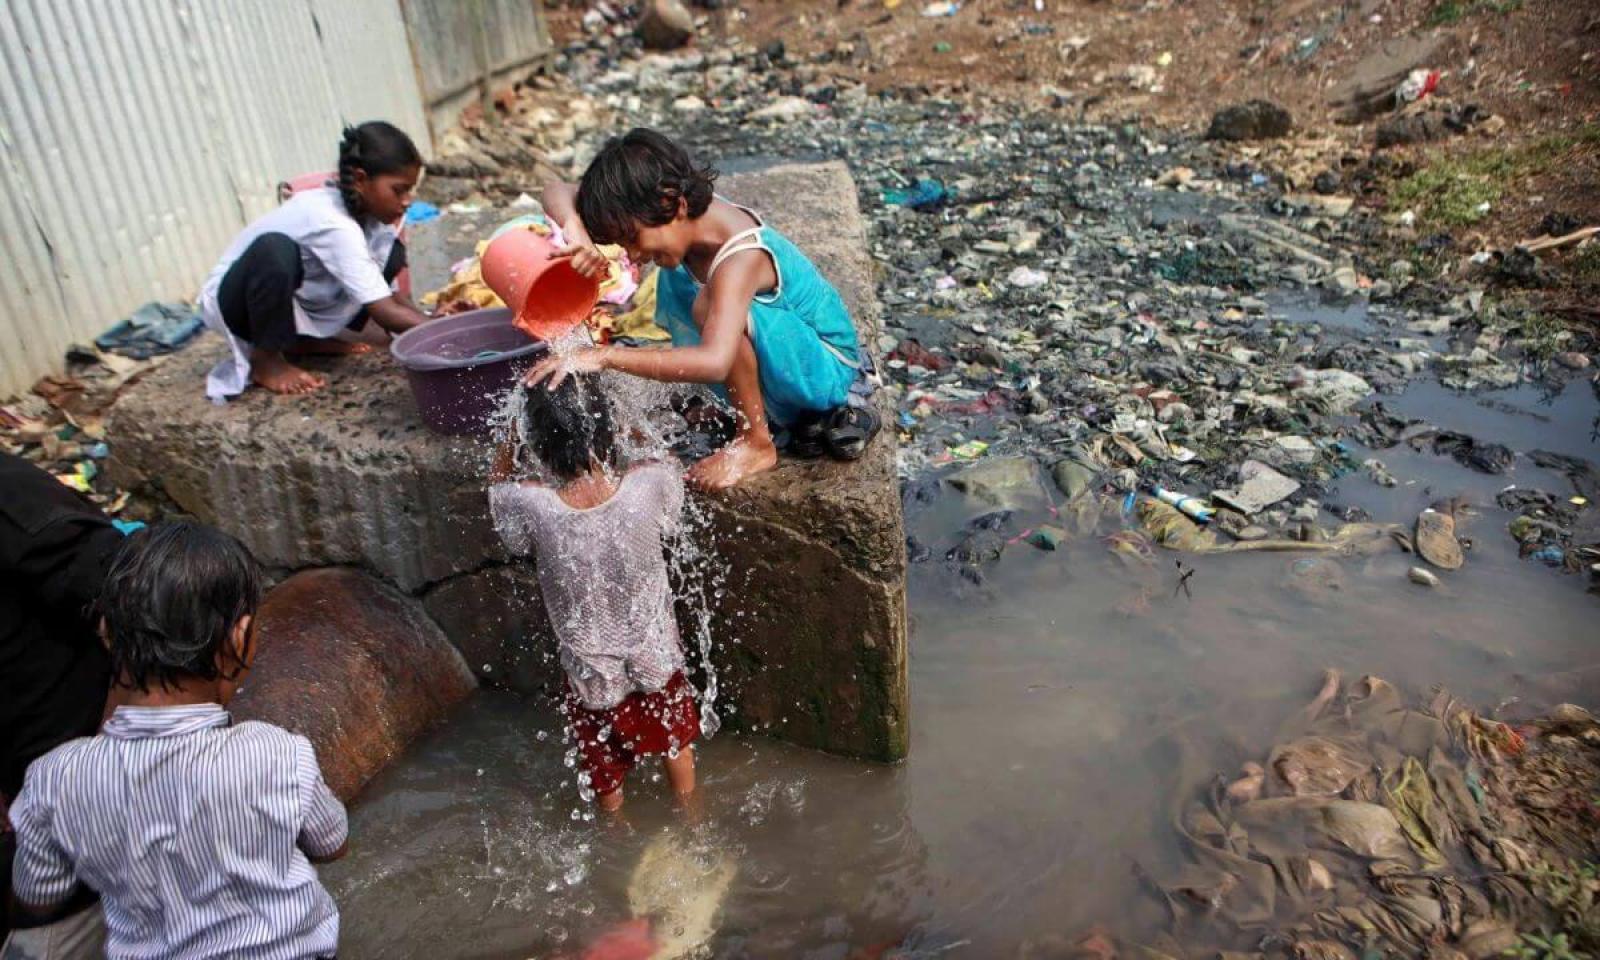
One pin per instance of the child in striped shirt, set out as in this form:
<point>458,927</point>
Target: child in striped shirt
<point>199,834</point>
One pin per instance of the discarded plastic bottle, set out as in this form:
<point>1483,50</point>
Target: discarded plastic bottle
<point>1191,508</point>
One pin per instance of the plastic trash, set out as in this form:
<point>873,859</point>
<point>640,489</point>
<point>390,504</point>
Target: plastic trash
<point>1192,508</point>
<point>421,211</point>
<point>946,8</point>
<point>1416,85</point>
<point>1025,277</point>
<point>922,195</point>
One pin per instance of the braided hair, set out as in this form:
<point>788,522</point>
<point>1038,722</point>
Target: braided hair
<point>375,148</point>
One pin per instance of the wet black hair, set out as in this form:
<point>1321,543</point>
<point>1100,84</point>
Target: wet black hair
<point>171,600</point>
<point>570,428</point>
<point>376,148</point>
<point>637,180</point>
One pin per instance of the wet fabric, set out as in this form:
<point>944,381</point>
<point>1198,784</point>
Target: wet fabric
<point>611,741</point>
<point>604,579</point>
<point>805,343</point>
<point>152,329</point>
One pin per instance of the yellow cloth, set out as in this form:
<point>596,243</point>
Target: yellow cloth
<point>638,321</point>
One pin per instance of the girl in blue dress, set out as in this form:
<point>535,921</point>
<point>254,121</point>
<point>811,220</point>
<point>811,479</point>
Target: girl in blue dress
<point>745,308</point>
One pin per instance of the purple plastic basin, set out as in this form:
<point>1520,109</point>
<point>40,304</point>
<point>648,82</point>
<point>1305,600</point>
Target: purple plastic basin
<point>460,367</point>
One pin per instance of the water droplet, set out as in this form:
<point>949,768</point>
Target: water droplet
<point>575,874</point>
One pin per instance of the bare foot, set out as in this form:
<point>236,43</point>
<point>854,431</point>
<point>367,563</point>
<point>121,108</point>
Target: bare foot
<point>732,464</point>
<point>318,347</point>
<point>270,369</point>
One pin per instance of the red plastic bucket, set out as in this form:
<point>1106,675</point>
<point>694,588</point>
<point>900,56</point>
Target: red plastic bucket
<point>460,367</point>
<point>550,297</point>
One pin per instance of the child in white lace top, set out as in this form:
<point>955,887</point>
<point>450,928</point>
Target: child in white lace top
<point>596,533</point>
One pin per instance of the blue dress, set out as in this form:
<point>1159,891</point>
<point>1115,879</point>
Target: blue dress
<point>807,351</point>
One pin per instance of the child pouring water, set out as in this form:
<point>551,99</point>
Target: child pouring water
<point>597,532</point>
<point>745,308</point>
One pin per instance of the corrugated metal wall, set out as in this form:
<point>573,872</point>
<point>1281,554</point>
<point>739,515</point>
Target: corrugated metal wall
<point>137,136</point>
<point>455,39</point>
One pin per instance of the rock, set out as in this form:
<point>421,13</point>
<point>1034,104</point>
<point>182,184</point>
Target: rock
<point>1432,121</point>
<point>1436,540</point>
<point>1328,206</point>
<point>785,109</point>
<point>1422,577</point>
<point>1253,120</point>
<point>1295,450</point>
<point>1344,281</point>
<point>354,666</point>
<point>689,104</point>
<point>349,476</point>
<point>1337,390</point>
<point>1072,477</point>
<point>665,25</point>
<point>1007,482</point>
<point>1260,487</point>
<point>1572,360</point>
<point>1430,327</point>
<point>1401,271</point>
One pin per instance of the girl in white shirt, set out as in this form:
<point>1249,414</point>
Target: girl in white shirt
<point>321,263</point>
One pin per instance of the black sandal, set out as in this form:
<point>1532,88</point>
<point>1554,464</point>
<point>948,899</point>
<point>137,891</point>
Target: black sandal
<point>806,439</point>
<point>850,429</point>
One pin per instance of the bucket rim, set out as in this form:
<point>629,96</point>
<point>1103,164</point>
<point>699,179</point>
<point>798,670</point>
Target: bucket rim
<point>398,346</point>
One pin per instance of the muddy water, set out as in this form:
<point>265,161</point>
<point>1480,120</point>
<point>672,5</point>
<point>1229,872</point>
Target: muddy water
<point>1054,708</point>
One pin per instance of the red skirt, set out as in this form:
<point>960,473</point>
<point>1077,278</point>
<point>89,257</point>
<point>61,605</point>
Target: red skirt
<point>644,724</point>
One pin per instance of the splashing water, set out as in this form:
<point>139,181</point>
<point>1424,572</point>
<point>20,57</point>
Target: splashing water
<point>649,428</point>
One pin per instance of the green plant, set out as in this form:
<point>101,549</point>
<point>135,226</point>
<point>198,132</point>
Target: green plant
<point>1452,11</point>
<point>1546,946</point>
<point>1452,191</point>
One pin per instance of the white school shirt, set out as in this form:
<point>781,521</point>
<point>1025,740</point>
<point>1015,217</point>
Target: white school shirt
<point>343,263</point>
<point>194,831</point>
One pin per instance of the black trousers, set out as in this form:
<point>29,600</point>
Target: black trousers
<point>256,295</point>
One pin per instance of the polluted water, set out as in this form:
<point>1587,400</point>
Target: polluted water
<point>1063,706</point>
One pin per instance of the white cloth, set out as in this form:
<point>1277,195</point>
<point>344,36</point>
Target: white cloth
<point>343,262</point>
<point>603,575</point>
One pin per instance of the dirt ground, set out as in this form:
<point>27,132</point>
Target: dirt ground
<point>1172,63</point>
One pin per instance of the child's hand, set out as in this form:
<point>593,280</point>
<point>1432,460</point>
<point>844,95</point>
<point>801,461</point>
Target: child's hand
<point>585,256</point>
<point>559,367</point>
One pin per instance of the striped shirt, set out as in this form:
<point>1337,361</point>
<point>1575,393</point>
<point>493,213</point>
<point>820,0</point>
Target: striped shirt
<point>194,832</point>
